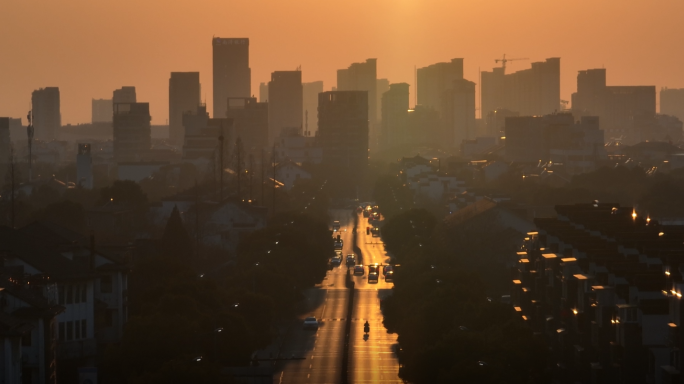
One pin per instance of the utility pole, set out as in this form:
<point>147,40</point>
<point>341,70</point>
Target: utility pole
<point>238,144</point>
<point>263,181</point>
<point>29,133</point>
<point>249,173</point>
<point>274,178</point>
<point>196,220</point>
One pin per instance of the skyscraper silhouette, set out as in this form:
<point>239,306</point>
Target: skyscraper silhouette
<point>284,102</point>
<point>184,96</point>
<point>232,75</point>
<point>395,105</point>
<point>435,79</point>
<point>361,77</point>
<point>343,129</point>
<point>47,118</point>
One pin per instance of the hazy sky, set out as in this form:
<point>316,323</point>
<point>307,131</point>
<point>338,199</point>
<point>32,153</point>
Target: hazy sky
<point>90,47</point>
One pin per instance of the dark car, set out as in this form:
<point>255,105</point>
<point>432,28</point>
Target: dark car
<point>389,276</point>
<point>336,261</point>
<point>351,260</point>
<point>358,270</point>
<point>373,277</point>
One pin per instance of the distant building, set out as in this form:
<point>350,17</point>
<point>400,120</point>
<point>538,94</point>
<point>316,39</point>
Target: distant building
<point>232,75</point>
<point>124,95</point>
<point>343,129</point>
<point>5,142</point>
<point>310,93</point>
<point>102,111</point>
<point>577,146</point>
<point>458,112</point>
<point>477,147</point>
<point>436,79</point>
<point>623,109</point>
<point>47,118</point>
<point>395,106</point>
<point>672,102</point>
<point>298,148</point>
<point>534,91</point>
<point>250,123</point>
<point>495,122</point>
<point>382,86</point>
<point>363,77</point>
<point>132,134</point>
<point>424,126</point>
<point>84,167</point>
<point>263,92</point>
<point>184,96</point>
<point>288,172</point>
<point>202,135</point>
<point>284,102</point>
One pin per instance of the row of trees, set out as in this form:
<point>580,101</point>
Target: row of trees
<point>449,329</point>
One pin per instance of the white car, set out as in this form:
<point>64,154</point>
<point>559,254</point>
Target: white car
<point>310,322</point>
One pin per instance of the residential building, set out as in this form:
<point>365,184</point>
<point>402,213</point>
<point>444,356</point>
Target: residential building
<point>231,73</point>
<point>124,95</point>
<point>298,148</point>
<point>202,136</point>
<point>434,80</point>
<point>672,102</point>
<point>363,77</point>
<point>458,113</point>
<point>395,107</point>
<point>102,111</point>
<point>5,142</point>
<point>602,283</point>
<point>184,96</point>
<point>310,93</point>
<point>288,172</point>
<point>132,134</point>
<point>84,167</point>
<point>477,147</point>
<point>47,118</point>
<point>624,110</point>
<point>495,122</point>
<point>343,129</point>
<point>557,138</point>
<point>424,126</point>
<point>533,91</point>
<point>284,102</point>
<point>263,92</point>
<point>250,123</point>
<point>381,86</point>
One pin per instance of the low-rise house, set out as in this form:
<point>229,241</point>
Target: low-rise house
<point>288,172</point>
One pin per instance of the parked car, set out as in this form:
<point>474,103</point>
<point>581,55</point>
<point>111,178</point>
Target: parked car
<point>387,268</point>
<point>389,276</point>
<point>310,322</point>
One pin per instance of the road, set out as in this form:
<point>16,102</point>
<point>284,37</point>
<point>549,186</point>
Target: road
<point>370,360</point>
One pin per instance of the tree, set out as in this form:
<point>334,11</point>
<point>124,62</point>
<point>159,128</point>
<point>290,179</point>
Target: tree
<point>64,213</point>
<point>123,192</point>
<point>176,242</point>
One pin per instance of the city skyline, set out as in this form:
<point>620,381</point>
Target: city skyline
<point>88,60</point>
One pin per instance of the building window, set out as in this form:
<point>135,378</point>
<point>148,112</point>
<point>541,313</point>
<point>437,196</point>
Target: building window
<point>26,339</point>
<point>70,294</point>
<point>77,330</point>
<point>62,333</point>
<point>84,293</point>
<point>106,284</point>
<point>84,329</point>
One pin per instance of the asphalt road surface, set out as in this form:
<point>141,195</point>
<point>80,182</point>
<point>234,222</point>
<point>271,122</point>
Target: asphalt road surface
<point>371,360</point>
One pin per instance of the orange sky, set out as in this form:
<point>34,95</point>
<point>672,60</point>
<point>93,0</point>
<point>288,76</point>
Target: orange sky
<point>90,47</point>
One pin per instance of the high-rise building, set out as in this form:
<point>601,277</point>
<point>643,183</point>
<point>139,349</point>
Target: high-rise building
<point>424,126</point>
<point>343,129</point>
<point>624,110</point>
<point>263,92</point>
<point>672,102</point>
<point>84,166</point>
<point>284,102</point>
<point>361,77</point>
<point>184,96</point>
<point>124,95</point>
<point>310,93</point>
<point>534,91</point>
<point>232,75</point>
<point>458,112</point>
<point>102,110</point>
<point>132,134</point>
<point>395,105</point>
<point>5,143</point>
<point>47,118</point>
<point>436,79</point>
<point>381,86</point>
<point>202,135</point>
<point>250,123</point>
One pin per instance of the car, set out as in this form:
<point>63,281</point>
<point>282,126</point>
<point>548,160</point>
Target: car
<point>351,259</point>
<point>358,269</point>
<point>336,225</point>
<point>336,261</point>
<point>389,276</point>
<point>310,323</point>
<point>387,268</point>
<point>374,268</point>
<point>373,277</point>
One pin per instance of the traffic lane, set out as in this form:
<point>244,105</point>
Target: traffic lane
<point>373,359</point>
<point>321,348</point>
<point>373,250</point>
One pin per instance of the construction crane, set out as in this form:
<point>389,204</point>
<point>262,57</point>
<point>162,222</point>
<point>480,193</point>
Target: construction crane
<point>504,60</point>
